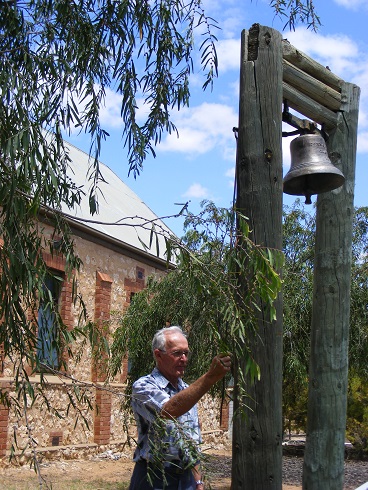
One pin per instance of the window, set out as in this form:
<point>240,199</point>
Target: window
<point>47,351</point>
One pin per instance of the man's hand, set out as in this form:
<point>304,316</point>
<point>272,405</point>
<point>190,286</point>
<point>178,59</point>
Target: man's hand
<point>220,366</point>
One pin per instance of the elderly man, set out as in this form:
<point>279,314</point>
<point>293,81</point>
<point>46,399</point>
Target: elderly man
<point>166,414</point>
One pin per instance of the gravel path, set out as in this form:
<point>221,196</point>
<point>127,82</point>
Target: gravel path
<point>356,472</point>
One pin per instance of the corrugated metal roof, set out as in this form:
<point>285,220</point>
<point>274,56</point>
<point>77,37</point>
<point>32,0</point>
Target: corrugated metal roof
<point>121,215</point>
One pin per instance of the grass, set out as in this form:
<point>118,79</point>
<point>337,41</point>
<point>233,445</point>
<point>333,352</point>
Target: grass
<point>63,485</point>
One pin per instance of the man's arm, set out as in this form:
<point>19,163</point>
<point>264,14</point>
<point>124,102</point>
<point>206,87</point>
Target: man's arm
<point>183,401</point>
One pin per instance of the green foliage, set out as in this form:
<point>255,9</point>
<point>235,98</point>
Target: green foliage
<point>296,10</point>
<point>166,433</point>
<point>295,401</point>
<point>357,423</point>
<point>357,420</point>
<point>358,342</point>
<point>204,296</point>
<point>58,58</point>
<point>298,246</point>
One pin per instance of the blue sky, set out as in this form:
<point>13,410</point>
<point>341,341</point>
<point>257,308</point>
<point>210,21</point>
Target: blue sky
<point>200,163</point>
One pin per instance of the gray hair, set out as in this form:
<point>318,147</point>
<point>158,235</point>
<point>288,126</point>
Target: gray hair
<point>159,339</point>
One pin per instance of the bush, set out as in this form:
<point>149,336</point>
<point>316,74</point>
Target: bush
<point>357,417</point>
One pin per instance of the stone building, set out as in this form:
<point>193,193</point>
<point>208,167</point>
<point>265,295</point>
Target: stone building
<point>116,265</point>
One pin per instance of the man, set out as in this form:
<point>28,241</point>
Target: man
<point>166,414</point>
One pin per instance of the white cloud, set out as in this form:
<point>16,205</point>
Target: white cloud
<point>229,14</point>
<point>196,191</point>
<point>191,140</point>
<point>352,4</point>
<point>110,116</point>
<point>229,151</point>
<point>230,172</point>
<point>362,145</point>
<point>228,53</point>
<point>110,113</point>
<point>337,51</point>
<point>201,129</point>
<point>230,175</point>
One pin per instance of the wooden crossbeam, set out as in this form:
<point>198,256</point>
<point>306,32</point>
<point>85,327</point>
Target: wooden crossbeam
<point>308,107</point>
<point>309,87</point>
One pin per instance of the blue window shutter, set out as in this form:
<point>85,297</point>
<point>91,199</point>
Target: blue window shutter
<point>47,327</point>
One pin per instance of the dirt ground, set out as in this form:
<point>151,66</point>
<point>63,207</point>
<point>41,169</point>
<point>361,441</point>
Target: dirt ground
<point>114,468</point>
<point>104,469</point>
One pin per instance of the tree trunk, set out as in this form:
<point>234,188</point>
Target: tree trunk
<point>328,369</point>
<point>257,436</point>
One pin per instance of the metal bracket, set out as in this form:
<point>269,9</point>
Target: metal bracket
<point>303,126</point>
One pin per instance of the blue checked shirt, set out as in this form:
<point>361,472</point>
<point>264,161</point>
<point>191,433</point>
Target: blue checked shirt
<point>169,438</point>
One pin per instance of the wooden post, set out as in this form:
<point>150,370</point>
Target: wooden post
<point>328,370</point>
<point>257,438</point>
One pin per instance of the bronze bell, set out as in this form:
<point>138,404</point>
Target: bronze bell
<point>311,171</point>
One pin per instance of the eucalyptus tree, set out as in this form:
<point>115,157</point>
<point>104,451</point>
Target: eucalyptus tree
<point>202,295</point>
<point>298,247</point>
<point>57,61</point>
<point>358,343</point>
<point>357,412</point>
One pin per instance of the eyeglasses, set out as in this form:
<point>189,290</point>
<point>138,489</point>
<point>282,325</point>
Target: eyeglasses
<point>178,354</point>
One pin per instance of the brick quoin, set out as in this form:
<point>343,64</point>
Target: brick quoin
<point>224,425</point>
<point>2,359</point>
<point>4,422</point>
<point>131,287</point>
<point>4,410</point>
<point>102,418</point>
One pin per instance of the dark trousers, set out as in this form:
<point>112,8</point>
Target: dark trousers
<point>173,478</point>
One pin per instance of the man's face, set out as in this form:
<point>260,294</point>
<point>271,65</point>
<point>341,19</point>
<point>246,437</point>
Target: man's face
<point>173,361</point>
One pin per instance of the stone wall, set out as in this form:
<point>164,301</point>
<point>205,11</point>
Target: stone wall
<point>107,281</point>
<point>59,439</point>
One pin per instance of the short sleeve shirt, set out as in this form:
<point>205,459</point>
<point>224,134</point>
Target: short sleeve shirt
<point>172,439</point>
